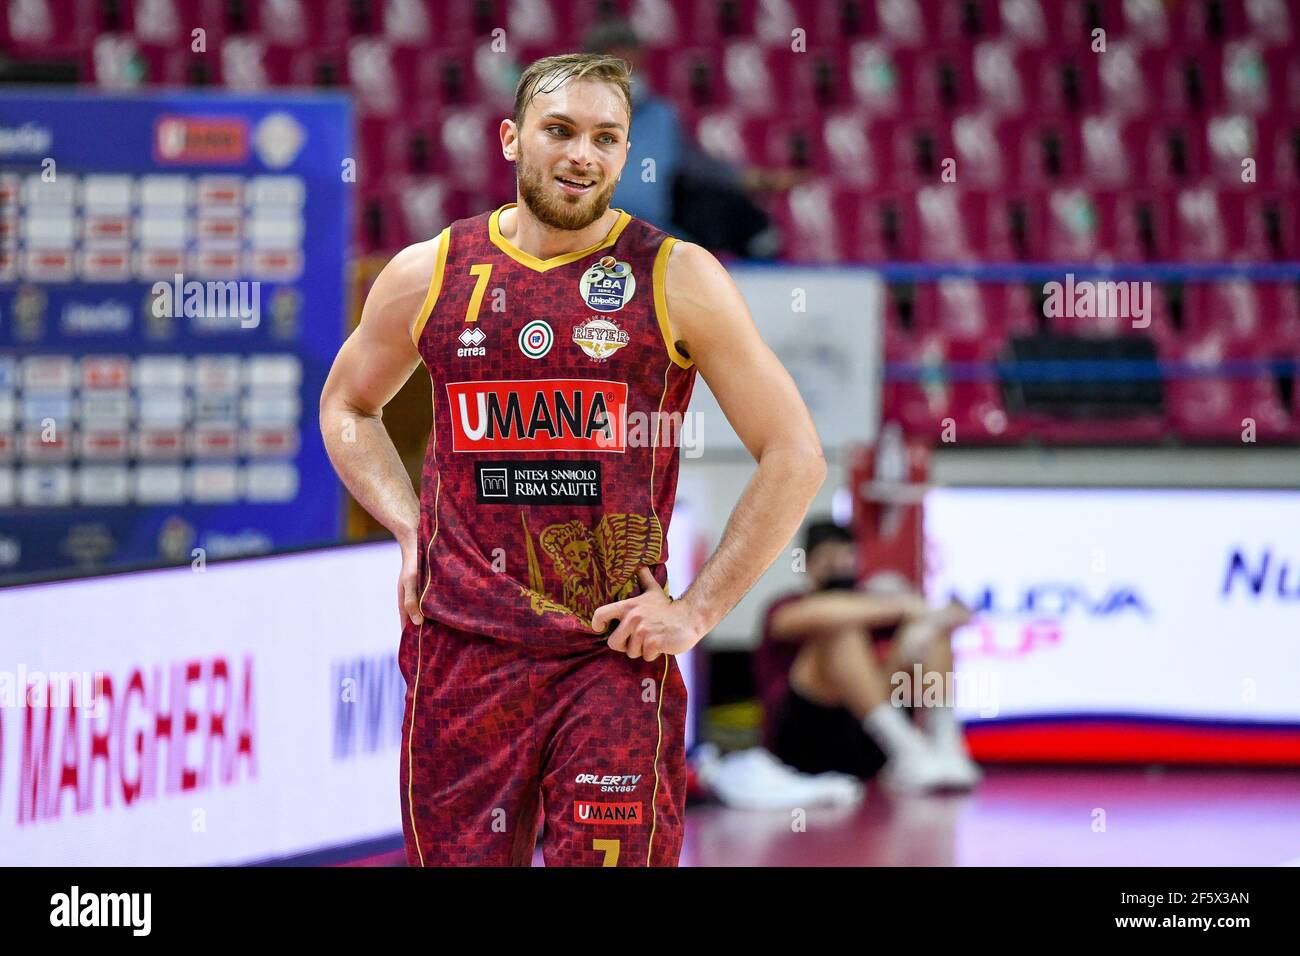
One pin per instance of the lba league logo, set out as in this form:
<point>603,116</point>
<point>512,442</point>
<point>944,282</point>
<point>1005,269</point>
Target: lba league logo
<point>607,285</point>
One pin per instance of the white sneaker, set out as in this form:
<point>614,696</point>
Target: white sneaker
<point>756,780</point>
<point>915,771</point>
<point>959,770</point>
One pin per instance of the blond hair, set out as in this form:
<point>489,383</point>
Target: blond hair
<point>553,71</point>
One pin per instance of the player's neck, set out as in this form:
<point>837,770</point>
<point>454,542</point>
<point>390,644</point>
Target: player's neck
<point>527,234</point>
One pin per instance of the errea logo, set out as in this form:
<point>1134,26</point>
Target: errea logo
<point>471,341</point>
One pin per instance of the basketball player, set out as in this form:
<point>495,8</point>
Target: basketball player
<point>539,636</point>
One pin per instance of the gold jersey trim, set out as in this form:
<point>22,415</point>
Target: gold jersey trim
<point>661,302</point>
<point>545,265</point>
<point>435,287</point>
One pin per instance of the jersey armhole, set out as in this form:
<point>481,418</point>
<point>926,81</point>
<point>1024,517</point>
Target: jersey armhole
<point>435,287</point>
<point>661,302</point>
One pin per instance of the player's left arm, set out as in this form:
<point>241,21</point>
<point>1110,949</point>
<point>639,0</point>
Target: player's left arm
<point>711,324</point>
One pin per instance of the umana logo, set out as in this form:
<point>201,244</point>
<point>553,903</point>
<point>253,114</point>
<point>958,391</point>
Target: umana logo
<point>549,414</point>
<point>585,811</point>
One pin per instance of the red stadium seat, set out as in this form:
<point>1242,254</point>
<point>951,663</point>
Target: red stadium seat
<point>811,223</point>
<point>988,149</point>
<point>968,404</point>
<point>469,140</point>
<point>975,406</point>
<point>1207,23</point>
<point>1208,226</point>
<point>1147,24</point>
<point>964,309</point>
<point>846,22</point>
<point>1006,77</point>
<point>1015,225</point>
<point>856,149</point>
<point>732,135</point>
<point>945,82</point>
<point>49,28</point>
<point>1113,148</point>
<point>1076,224</point>
<point>697,80</point>
<point>821,79</point>
<point>1258,315</point>
<point>1271,22</point>
<point>910,25</point>
<point>949,225</point>
<point>415,23</point>
<point>755,77</point>
<point>883,77</point>
<point>888,227</point>
<point>917,406</point>
<point>1279,151</point>
<point>1216,408</point>
<point>465,24</point>
<point>1138,81</point>
<point>794,143</point>
<point>919,149</point>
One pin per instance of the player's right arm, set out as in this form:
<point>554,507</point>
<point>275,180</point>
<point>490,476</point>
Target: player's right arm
<point>373,364</point>
<point>833,610</point>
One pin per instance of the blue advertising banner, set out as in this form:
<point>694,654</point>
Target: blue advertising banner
<point>172,293</point>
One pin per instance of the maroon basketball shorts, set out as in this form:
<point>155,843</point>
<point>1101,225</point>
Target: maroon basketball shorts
<point>500,738</point>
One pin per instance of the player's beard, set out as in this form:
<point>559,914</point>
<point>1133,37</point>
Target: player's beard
<point>553,208</point>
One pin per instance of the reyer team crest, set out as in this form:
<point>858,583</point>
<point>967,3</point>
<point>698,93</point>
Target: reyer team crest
<point>599,338</point>
<point>608,285</point>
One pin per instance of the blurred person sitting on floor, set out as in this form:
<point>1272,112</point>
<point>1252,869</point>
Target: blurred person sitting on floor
<point>834,659</point>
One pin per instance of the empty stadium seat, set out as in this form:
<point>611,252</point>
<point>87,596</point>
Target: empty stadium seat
<point>962,132</point>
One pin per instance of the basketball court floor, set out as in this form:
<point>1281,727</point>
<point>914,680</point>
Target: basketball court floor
<point>1065,816</point>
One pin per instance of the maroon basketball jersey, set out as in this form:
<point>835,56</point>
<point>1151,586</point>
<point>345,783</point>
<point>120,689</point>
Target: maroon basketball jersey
<point>558,410</point>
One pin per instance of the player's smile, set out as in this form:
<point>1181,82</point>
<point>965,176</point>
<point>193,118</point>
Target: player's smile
<point>575,186</point>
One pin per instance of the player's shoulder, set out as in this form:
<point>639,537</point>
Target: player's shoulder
<point>409,271</point>
<point>694,274</point>
<point>635,234</point>
<point>394,300</point>
<point>689,258</point>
